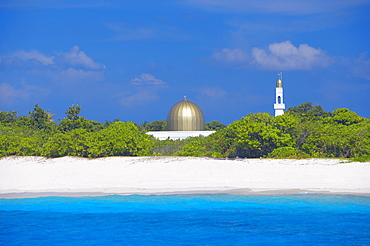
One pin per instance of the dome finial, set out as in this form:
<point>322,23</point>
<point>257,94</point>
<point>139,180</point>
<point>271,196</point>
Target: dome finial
<point>185,97</point>
<point>279,81</point>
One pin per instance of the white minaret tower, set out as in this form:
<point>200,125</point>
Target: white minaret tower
<point>279,105</point>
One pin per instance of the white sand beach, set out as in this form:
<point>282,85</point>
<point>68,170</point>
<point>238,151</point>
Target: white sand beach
<point>72,176</point>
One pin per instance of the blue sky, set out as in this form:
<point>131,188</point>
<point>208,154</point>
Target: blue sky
<point>133,60</point>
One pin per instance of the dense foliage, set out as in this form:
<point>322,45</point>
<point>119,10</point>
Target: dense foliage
<point>303,131</point>
<point>38,135</point>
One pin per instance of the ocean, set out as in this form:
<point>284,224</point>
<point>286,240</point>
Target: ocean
<point>299,219</point>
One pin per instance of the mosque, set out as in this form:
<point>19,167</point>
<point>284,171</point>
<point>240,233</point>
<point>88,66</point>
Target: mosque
<point>185,119</point>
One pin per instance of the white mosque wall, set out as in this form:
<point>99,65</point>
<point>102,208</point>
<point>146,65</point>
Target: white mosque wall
<point>174,135</point>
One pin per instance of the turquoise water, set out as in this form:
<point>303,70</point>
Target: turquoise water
<point>301,219</point>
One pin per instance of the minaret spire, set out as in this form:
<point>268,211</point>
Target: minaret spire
<point>279,105</point>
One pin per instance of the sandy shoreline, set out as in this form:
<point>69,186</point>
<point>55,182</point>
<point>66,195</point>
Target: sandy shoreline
<point>20,195</point>
<point>69,176</point>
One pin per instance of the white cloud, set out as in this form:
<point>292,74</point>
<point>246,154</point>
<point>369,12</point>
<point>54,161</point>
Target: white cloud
<point>277,56</point>
<point>34,55</point>
<point>145,91</point>
<point>297,7</point>
<point>77,58</point>
<point>213,92</point>
<point>53,4</point>
<point>123,32</point>
<point>139,98</point>
<point>72,66</point>
<point>10,95</point>
<point>286,56</point>
<point>362,67</point>
<point>72,74</point>
<point>147,79</point>
<point>127,32</point>
<point>27,60</point>
<point>228,55</point>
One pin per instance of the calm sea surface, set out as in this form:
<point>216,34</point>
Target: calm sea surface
<point>301,219</point>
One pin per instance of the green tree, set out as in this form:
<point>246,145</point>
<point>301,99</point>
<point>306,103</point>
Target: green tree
<point>257,135</point>
<point>140,127</point>
<point>338,140</point>
<point>73,112</point>
<point>72,143</point>
<point>361,139</point>
<point>287,152</point>
<point>205,146</point>
<point>157,125</point>
<point>168,147</point>
<point>80,123</point>
<point>17,145</point>
<point>306,112</point>
<point>8,117</point>
<point>74,121</point>
<point>197,146</point>
<point>120,139</point>
<point>344,116</point>
<point>214,126</point>
<point>108,123</point>
<point>9,145</point>
<point>304,131</point>
<point>39,118</point>
<point>253,136</point>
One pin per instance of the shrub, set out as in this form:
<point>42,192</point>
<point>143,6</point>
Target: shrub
<point>287,152</point>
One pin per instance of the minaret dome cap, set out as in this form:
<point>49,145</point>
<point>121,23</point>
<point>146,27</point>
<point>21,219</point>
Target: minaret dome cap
<point>279,83</point>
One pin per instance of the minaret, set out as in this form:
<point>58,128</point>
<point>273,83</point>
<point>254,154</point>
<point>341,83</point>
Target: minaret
<point>279,105</point>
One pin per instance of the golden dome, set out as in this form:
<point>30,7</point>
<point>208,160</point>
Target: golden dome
<point>185,116</point>
<point>279,83</point>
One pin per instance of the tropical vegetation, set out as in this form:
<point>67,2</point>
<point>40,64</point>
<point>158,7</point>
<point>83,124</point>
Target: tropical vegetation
<point>304,131</point>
